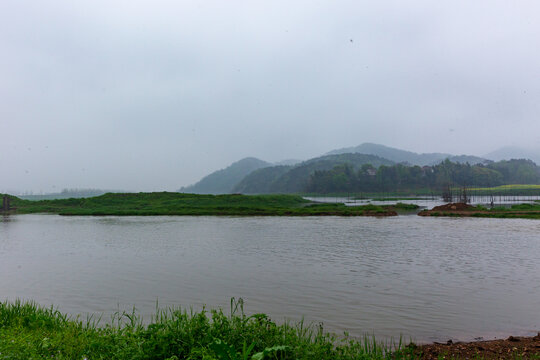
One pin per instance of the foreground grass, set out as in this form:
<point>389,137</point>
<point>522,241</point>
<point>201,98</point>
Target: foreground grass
<point>165,203</point>
<point>28,331</point>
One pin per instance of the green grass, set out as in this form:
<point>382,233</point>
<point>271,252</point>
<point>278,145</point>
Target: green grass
<point>407,207</point>
<point>28,331</point>
<point>504,190</point>
<point>165,203</point>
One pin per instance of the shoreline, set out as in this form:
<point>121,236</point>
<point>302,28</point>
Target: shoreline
<point>523,347</point>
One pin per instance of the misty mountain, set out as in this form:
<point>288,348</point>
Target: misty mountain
<point>294,179</point>
<point>224,180</point>
<point>514,152</point>
<point>409,157</point>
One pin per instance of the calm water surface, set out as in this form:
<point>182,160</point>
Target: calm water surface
<point>425,278</point>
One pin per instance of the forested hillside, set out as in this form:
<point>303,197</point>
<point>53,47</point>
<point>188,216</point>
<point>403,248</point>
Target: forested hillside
<point>367,167</point>
<point>345,178</point>
<point>285,179</point>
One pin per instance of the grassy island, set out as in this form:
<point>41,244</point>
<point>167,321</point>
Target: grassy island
<point>523,211</point>
<point>169,203</point>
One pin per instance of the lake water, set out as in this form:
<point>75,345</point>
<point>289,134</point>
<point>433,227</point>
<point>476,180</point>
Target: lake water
<point>429,279</point>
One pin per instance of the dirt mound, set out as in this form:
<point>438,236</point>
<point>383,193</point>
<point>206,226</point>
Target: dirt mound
<point>511,348</point>
<point>454,207</point>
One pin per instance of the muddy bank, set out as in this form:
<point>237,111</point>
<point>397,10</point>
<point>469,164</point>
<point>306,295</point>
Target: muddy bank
<point>514,347</point>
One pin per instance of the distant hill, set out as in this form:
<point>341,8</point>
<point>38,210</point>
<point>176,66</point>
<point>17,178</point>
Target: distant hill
<point>294,179</point>
<point>261,181</point>
<point>223,181</point>
<point>408,157</point>
<point>464,159</point>
<point>514,152</point>
<point>70,193</point>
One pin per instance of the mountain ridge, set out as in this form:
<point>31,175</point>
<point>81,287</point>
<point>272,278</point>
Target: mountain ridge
<point>405,156</point>
<point>514,152</point>
<point>255,176</point>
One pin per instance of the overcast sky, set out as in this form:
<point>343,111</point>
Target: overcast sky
<point>153,95</point>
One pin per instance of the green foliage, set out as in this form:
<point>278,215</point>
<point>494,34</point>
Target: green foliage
<point>517,171</point>
<point>28,331</point>
<point>526,207</point>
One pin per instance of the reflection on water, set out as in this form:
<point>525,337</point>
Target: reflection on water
<point>426,278</point>
<point>6,218</point>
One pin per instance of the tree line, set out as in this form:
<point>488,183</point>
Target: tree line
<point>345,178</point>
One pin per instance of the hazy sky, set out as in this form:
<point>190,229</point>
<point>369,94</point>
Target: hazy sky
<point>153,95</point>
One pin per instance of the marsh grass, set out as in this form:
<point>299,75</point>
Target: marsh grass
<point>29,331</point>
